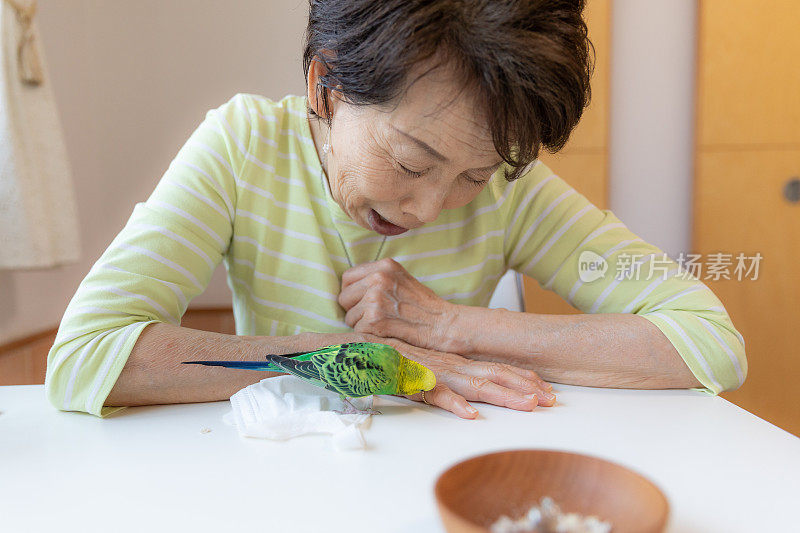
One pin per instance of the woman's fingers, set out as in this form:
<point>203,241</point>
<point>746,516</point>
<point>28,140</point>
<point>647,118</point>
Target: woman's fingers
<point>482,389</point>
<point>505,376</point>
<point>508,374</point>
<point>460,379</point>
<point>442,396</point>
<point>530,374</point>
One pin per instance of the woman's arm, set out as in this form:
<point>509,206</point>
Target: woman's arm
<point>153,373</point>
<point>595,263</point>
<point>608,350</point>
<point>162,259</point>
<point>603,350</point>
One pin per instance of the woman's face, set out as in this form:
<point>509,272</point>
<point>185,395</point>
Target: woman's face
<point>394,170</point>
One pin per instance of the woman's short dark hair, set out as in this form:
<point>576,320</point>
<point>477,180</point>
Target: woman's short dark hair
<point>528,60</point>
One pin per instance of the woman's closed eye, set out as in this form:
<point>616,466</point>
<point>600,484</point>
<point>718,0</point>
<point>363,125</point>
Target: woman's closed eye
<point>417,174</point>
<point>477,183</point>
<point>409,171</point>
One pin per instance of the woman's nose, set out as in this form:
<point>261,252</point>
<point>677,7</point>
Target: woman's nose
<point>426,204</point>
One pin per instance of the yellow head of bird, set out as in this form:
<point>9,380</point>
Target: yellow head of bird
<point>414,377</point>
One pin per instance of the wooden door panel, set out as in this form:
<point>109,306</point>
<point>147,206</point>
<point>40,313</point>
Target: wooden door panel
<point>592,131</point>
<point>749,75</point>
<point>586,171</point>
<point>740,208</point>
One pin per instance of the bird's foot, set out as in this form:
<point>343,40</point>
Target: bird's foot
<point>351,409</point>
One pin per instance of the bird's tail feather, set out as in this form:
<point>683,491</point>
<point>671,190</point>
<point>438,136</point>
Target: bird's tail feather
<point>287,362</point>
<point>243,365</point>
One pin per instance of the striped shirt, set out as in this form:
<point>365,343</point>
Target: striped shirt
<point>247,188</point>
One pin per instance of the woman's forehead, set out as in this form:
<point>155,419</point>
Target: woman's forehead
<point>441,114</point>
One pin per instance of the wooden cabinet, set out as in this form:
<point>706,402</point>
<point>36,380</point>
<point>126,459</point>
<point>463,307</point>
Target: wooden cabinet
<point>740,209</point>
<point>747,150</point>
<point>748,73</point>
<point>24,362</point>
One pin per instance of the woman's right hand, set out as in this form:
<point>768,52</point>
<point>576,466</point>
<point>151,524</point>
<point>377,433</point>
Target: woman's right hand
<point>460,380</point>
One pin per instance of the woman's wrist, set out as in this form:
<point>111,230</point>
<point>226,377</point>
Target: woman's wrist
<point>459,330</point>
<point>307,341</point>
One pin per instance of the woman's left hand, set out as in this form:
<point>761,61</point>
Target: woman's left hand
<point>381,298</point>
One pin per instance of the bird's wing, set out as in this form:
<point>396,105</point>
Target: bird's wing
<point>306,370</point>
<point>353,374</point>
<point>304,356</point>
<point>279,363</point>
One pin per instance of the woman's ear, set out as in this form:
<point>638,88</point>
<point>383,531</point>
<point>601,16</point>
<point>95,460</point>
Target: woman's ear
<point>314,89</point>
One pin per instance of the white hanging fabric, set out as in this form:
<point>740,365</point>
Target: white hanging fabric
<point>38,216</point>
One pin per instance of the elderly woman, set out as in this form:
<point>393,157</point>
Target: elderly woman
<point>385,204</point>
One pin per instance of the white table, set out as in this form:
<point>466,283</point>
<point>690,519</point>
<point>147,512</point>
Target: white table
<point>152,469</point>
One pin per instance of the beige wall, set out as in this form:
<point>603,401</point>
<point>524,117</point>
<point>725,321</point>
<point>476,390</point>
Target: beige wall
<point>133,79</point>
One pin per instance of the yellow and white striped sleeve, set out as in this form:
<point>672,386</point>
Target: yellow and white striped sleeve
<point>162,258</point>
<point>593,261</point>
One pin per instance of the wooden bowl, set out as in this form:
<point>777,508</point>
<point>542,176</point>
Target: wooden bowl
<point>474,493</point>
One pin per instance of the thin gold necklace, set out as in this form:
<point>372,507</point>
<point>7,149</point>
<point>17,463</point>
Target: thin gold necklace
<point>325,149</point>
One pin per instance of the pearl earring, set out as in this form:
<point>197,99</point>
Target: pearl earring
<point>326,148</point>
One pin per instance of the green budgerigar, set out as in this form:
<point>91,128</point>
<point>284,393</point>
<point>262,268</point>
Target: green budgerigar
<point>352,370</point>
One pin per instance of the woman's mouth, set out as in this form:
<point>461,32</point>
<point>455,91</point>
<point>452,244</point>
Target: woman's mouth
<point>383,226</point>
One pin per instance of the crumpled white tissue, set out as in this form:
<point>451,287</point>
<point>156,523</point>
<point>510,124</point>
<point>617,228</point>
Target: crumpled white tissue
<point>283,407</point>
